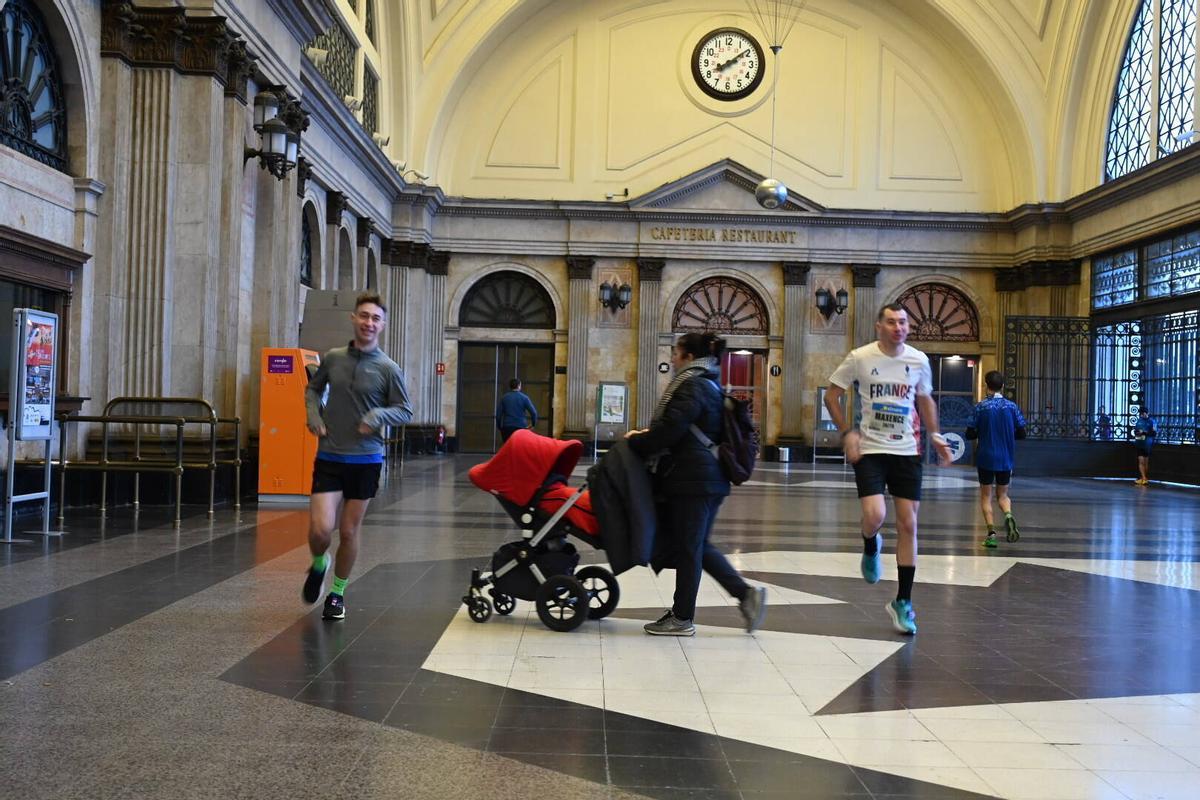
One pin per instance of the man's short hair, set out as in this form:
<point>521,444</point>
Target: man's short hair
<point>994,380</point>
<point>890,307</point>
<point>369,297</point>
<point>514,384</point>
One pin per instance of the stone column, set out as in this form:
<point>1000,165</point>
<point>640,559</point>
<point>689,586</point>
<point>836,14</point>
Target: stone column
<point>649,292</point>
<point>335,204</point>
<point>579,305</point>
<point>365,228</point>
<point>795,320</point>
<point>438,267</point>
<point>866,306</point>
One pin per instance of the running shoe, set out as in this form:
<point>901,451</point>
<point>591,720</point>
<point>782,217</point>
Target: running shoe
<point>754,608</point>
<point>1014,533</point>
<point>335,607</point>
<point>904,619</point>
<point>872,565</point>
<point>313,584</point>
<point>670,625</point>
<point>990,539</point>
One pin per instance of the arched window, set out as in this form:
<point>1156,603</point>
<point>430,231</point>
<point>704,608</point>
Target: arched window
<point>940,313</point>
<point>1153,103</point>
<point>306,270</point>
<point>507,300</point>
<point>33,118</point>
<point>723,305</point>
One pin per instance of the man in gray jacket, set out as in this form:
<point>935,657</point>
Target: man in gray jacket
<point>366,392</point>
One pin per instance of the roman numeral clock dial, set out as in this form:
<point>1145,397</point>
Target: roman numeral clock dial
<point>727,64</point>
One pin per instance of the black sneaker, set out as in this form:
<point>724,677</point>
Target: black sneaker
<point>313,584</point>
<point>335,607</point>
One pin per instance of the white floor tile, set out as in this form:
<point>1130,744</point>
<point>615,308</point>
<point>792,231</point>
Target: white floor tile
<point>1057,711</point>
<point>681,719</point>
<point>882,752</point>
<point>1154,785</point>
<point>955,777</point>
<point>765,728</point>
<point>1016,783</point>
<point>765,705</point>
<point>1137,758</point>
<point>1008,754</point>
<point>1174,714</point>
<point>871,727</point>
<point>1088,733</point>
<point>637,702</point>
<point>962,712</point>
<point>982,730</point>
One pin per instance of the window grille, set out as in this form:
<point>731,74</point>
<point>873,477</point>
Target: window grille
<point>507,299</point>
<point>338,68</point>
<point>1114,279</point>
<point>370,109</point>
<point>721,305</point>
<point>369,22</point>
<point>33,117</point>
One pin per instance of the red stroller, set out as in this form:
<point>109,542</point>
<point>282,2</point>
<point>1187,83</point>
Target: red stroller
<point>529,477</point>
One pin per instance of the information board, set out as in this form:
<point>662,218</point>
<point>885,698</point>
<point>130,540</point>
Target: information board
<point>35,378</point>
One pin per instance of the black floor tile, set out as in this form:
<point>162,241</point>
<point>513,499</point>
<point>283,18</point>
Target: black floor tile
<point>677,773</point>
<point>818,778</point>
<point>895,787</point>
<point>592,768</point>
<point>675,743</point>
<point>537,740</point>
<point>549,718</point>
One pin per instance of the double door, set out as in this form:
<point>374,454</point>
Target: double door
<point>954,394</point>
<point>484,371</point>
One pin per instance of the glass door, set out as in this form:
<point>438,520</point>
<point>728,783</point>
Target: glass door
<point>954,393</point>
<point>484,370</point>
<point>744,375</point>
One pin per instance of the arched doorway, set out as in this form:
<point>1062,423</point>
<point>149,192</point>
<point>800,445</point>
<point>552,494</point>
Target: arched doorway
<point>940,313</point>
<point>516,303</point>
<point>731,307</point>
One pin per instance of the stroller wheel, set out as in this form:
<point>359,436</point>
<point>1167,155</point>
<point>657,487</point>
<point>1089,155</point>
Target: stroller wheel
<point>505,604</point>
<point>479,609</point>
<point>562,603</point>
<point>602,590</point>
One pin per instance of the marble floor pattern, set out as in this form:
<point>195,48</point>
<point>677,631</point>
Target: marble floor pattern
<point>142,661</point>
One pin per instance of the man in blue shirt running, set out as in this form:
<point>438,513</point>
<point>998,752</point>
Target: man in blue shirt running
<point>512,409</point>
<point>997,424</point>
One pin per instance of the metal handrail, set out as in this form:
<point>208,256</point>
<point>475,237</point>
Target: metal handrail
<point>138,464</point>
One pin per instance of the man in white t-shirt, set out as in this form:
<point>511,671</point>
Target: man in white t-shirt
<point>892,379</point>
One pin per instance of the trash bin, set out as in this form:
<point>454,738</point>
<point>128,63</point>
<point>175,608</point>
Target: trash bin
<point>785,455</point>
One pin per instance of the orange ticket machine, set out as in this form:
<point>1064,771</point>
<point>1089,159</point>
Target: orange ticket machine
<point>286,449</point>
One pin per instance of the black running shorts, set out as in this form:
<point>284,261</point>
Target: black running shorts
<point>354,481</point>
<point>900,474</point>
<point>999,477</point>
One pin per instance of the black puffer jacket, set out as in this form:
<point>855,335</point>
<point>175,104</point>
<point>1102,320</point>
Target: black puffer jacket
<point>687,468</point>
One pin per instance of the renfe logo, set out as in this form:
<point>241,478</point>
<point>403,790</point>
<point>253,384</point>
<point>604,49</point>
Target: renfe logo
<point>279,364</point>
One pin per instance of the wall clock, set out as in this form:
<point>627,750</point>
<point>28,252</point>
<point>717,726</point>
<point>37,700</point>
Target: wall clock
<point>727,64</point>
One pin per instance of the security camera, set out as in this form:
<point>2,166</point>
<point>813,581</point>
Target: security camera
<point>316,55</point>
<point>353,103</point>
<point>1186,136</point>
<point>380,139</point>
<point>420,175</point>
<point>400,165</point>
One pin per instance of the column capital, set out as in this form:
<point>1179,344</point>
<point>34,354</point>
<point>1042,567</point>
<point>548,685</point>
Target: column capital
<point>170,39</point>
<point>579,268</point>
<point>865,277</point>
<point>438,262</point>
<point>365,228</point>
<point>795,273</point>
<point>303,173</point>
<point>650,269</point>
<point>239,67</point>
<point>335,204</point>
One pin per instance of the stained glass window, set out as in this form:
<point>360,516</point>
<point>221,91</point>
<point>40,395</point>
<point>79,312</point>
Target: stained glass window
<point>33,118</point>
<point>1153,101</point>
<point>721,305</point>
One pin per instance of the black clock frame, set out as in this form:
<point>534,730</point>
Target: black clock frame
<point>714,93</point>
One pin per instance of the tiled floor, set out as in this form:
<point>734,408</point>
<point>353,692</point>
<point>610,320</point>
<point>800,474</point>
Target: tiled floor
<point>164,663</point>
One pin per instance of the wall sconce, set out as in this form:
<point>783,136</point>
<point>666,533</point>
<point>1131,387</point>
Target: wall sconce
<point>279,121</point>
<point>615,297</point>
<point>829,303</point>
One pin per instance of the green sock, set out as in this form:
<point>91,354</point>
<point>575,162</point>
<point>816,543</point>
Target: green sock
<point>321,562</point>
<point>1008,515</point>
<point>339,585</point>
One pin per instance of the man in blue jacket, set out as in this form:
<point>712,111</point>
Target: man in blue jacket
<point>512,409</point>
<point>997,423</point>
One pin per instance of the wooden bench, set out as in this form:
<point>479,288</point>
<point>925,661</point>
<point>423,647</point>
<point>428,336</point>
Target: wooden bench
<point>141,420</point>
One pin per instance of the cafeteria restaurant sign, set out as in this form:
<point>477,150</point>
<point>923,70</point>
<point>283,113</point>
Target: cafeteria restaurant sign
<point>669,233</point>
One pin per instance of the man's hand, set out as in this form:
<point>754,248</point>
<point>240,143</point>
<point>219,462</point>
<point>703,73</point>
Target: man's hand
<point>945,456</point>
<point>364,428</point>
<point>852,446</point>
<point>317,430</point>
<point>631,434</point>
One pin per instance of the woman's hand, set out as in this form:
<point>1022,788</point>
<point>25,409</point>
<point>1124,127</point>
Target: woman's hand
<point>631,434</point>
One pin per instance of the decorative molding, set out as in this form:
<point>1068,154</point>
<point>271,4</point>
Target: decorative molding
<point>795,273</point>
<point>38,262</point>
<point>303,173</point>
<point>166,38</point>
<point>724,171</point>
<point>306,19</point>
<point>365,228</point>
<point>335,204</point>
<point>239,67</point>
<point>579,268</point>
<point>650,269</point>
<point>438,262</point>
<point>411,255</point>
<point>865,277</point>
<point>1038,273</point>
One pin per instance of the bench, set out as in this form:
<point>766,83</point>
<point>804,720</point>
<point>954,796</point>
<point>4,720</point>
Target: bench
<point>146,417</point>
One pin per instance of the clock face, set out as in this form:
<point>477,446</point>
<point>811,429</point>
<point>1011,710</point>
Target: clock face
<point>727,64</point>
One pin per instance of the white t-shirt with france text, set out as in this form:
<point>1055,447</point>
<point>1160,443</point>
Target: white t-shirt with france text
<point>888,387</point>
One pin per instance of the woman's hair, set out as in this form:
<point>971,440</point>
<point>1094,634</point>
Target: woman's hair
<point>699,345</point>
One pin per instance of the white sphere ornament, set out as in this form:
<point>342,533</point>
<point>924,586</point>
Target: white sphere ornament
<point>771,193</point>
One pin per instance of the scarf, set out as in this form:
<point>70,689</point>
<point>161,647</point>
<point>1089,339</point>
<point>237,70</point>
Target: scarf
<point>699,368</point>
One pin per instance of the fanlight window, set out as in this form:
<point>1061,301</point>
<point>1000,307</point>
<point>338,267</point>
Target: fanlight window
<point>33,117</point>
<point>507,300</point>
<point>1153,111</point>
<point>722,305</point>
<point>939,313</point>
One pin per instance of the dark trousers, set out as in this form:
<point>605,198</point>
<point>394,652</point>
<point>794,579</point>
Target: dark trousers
<point>507,432</point>
<point>691,521</point>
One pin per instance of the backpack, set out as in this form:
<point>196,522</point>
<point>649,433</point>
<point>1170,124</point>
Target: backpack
<point>738,448</point>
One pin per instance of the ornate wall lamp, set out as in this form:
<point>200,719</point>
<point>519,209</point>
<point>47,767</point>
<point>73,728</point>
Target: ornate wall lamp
<point>279,121</point>
<point>614,297</point>
<point>829,303</point>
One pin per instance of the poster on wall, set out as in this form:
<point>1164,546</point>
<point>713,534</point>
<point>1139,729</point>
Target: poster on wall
<point>612,404</point>
<point>34,382</point>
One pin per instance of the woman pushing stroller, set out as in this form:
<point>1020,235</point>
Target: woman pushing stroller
<point>690,484</point>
